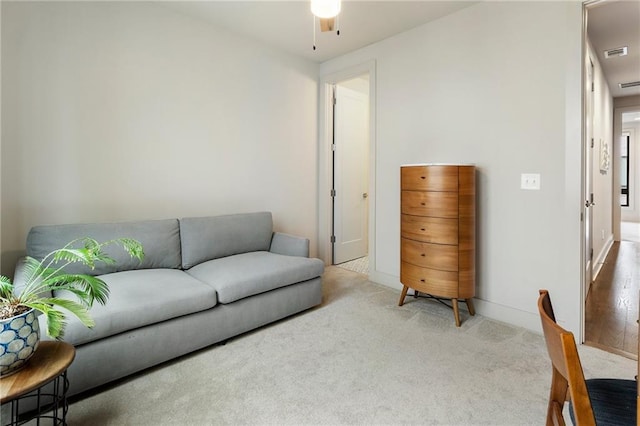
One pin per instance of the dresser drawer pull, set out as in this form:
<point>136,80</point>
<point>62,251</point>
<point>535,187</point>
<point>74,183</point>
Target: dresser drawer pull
<point>422,204</point>
<point>423,177</point>
<point>422,280</point>
<point>422,229</point>
<point>422,254</point>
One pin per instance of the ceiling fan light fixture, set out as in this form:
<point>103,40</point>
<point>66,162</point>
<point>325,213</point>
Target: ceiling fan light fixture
<point>325,8</point>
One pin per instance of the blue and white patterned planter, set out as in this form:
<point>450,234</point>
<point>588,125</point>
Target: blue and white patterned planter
<point>19,339</point>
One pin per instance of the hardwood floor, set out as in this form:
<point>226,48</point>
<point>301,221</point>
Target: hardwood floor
<point>612,304</point>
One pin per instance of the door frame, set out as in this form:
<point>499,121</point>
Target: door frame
<point>325,158</point>
<point>585,145</point>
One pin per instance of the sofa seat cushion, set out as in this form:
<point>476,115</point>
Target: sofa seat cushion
<point>247,274</point>
<point>139,298</point>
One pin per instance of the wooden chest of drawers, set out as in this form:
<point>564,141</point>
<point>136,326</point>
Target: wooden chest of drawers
<point>437,249</point>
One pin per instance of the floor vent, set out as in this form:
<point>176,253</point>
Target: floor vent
<point>620,51</point>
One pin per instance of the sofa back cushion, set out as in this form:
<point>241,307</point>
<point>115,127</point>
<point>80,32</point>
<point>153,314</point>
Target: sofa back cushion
<point>160,240</point>
<point>207,238</point>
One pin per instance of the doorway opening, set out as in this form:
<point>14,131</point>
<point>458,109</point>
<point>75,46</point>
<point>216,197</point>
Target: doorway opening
<point>347,169</point>
<point>611,305</point>
<point>629,167</point>
<point>611,310</point>
<point>350,189</point>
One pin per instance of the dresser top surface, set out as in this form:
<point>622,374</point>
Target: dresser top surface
<point>439,164</point>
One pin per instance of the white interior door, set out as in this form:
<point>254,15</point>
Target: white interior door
<point>351,174</point>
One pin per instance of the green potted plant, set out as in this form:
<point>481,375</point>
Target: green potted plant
<point>19,330</point>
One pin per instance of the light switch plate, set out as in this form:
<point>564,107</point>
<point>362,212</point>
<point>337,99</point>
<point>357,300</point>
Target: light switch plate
<point>530,181</point>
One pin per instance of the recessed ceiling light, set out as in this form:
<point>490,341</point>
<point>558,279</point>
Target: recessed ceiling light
<point>618,51</point>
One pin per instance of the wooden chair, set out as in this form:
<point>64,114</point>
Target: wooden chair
<point>591,402</point>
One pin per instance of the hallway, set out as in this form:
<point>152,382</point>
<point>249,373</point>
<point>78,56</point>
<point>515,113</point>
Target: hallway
<point>612,304</point>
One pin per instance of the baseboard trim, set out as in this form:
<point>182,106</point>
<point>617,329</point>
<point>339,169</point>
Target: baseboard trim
<point>602,256</point>
<point>612,350</point>
<point>386,280</point>
<point>495,311</point>
<point>509,315</point>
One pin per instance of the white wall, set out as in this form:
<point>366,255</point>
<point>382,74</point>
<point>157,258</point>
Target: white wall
<point>602,180</point>
<point>499,85</point>
<point>118,111</point>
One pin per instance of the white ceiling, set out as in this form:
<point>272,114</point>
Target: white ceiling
<point>288,25</point>
<point>613,24</point>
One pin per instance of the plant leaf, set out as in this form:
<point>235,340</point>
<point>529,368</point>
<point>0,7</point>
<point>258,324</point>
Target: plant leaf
<point>74,307</point>
<point>31,268</point>
<point>6,287</point>
<point>94,248</point>
<point>87,287</point>
<point>74,255</point>
<point>48,275</point>
<point>56,319</point>
<point>133,247</point>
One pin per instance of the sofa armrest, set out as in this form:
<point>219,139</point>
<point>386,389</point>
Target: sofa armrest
<point>289,245</point>
<point>20,278</point>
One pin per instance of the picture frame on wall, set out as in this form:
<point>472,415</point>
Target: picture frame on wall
<point>605,156</point>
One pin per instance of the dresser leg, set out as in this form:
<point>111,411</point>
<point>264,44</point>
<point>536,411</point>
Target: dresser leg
<point>403,295</point>
<point>456,313</point>
<point>472,311</point>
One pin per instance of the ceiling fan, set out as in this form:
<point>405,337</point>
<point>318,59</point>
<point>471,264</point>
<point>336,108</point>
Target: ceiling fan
<point>327,12</point>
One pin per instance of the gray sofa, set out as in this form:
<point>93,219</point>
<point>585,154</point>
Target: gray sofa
<point>202,281</point>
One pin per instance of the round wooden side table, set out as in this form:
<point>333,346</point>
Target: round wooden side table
<point>47,365</point>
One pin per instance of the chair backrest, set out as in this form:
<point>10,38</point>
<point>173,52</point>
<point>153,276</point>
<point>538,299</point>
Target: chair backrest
<point>567,371</point>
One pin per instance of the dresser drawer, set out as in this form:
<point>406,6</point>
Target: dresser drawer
<point>431,281</point>
<point>433,256</point>
<point>429,178</point>
<point>433,204</point>
<point>429,229</point>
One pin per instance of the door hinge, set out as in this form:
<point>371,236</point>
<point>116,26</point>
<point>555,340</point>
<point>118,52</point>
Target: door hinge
<point>581,217</point>
<point>592,143</point>
<point>591,254</point>
<point>333,238</point>
<point>333,147</point>
<point>333,192</point>
<point>593,87</point>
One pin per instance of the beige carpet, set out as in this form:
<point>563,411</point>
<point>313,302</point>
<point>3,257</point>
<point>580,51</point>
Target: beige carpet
<point>356,359</point>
